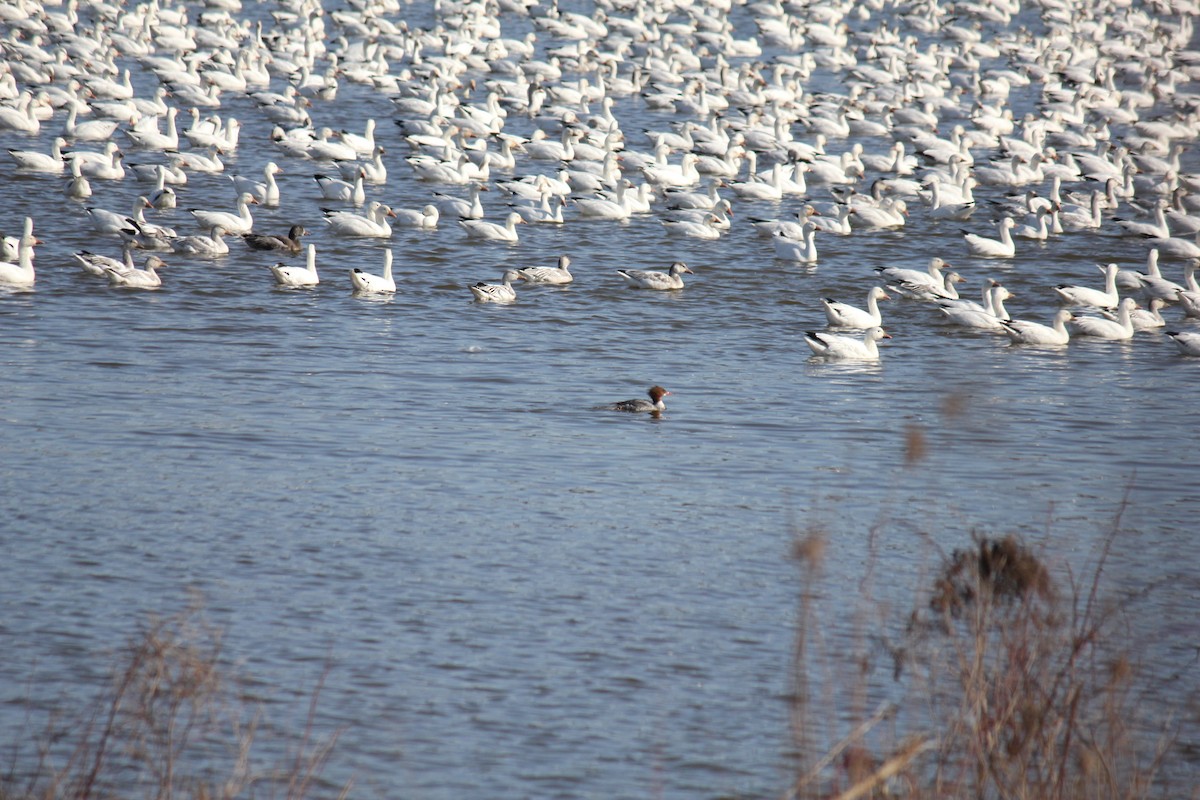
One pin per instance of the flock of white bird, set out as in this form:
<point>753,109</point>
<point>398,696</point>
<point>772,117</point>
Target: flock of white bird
<point>862,113</point>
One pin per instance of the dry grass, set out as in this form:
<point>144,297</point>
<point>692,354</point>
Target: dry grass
<point>171,724</point>
<point>1004,685</point>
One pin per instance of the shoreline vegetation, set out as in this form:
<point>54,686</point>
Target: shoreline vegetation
<point>1004,682</point>
<point>173,722</point>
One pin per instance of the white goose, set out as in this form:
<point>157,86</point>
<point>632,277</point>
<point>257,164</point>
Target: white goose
<point>133,278</point>
<point>650,279</point>
<point>1021,331</point>
<point>241,222</point>
<point>1088,296</point>
<point>492,231</point>
<point>342,191</point>
<point>496,292</point>
<point>1120,329</point>
<point>837,346</point>
<point>375,284</point>
<point>1188,342</point>
<point>298,276</point>
<point>931,276</point>
<point>212,245</point>
<point>98,265</point>
<point>1144,319</point>
<point>374,223</point>
<point>105,221</point>
<point>266,191</point>
<point>1003,247</point>
<point>983,319</point>
<point>96,130</point>
<point>558,275</point>
<point>425,218</point>
<point>470,208</point>
<point>36,161</point>
<point>21,273</point>
<point>803,251</point>
<point>844,315</point>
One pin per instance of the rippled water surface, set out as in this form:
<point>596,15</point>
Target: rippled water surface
<point>517,595</point>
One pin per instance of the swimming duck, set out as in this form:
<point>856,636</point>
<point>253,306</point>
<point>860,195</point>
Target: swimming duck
<point>640,405</point>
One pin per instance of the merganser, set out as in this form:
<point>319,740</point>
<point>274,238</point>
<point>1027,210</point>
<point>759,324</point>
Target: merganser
<point>640,405</point>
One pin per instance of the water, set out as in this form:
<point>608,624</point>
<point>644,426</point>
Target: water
<point>513,592</point>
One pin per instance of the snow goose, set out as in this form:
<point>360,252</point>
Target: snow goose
<point>493,231</point>
<point>364,143</point>
<point>1077,219</point>
<point>98,265</point>
<point>1158,229</point>
<point>107,169</point>
<point>1188,342</point>
<point>21,273</point>
<point>1088,296</point>
<point>496,292</point>
<point>374,223</point>
<point>374,284</point>
<point>838,346</point>
<point>1120,329</point>
<point>802,250</point>
<point>844,315</point>
<point>147,136</point>
<point>1003,247</point>
<point>1021,331</point>
<point>1040,231</point>
<point>946,290</point>
<point>679,175</point>
<point>36,161</point>
<point>651,279</point>
<point>989,318</point>
<point>930,276</point>
<point>555,276</point>
<point>105,221</point>
<point>96,130</point>
<point>425,218</point>
<point>1144,319</point>
<point>266,191</point>
<point>640,405</point>
<point>234,223</point>
<point>288,243</point>
<point>374,170</point>
<point>891,213</point>
<point>940,208</point>
<point>298,276</point>
<point>134,278</point>
<point>1153,284</point>
<point>342,191</point>
<point>545,212</point>
<point>470,208</point>
<point>706,228</point>
<point>213,244</point>
<point>78,187</point>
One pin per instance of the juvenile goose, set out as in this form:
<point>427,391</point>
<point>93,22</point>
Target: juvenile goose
<point>289,243</point>
<point>648,279</point>
<point>549,275</point>
<point>134,278</point>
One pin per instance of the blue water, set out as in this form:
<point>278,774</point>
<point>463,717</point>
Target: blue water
<point>508,591</point>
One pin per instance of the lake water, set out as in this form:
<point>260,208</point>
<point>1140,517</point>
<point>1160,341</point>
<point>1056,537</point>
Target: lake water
<point>516,594</point>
